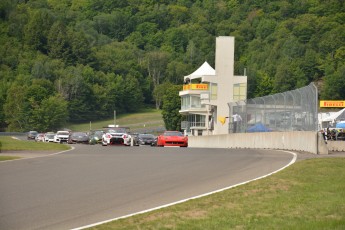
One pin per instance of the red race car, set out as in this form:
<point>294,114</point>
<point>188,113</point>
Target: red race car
<point>172,138</point>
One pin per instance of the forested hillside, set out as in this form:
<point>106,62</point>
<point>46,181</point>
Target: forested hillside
<point>79,60</point>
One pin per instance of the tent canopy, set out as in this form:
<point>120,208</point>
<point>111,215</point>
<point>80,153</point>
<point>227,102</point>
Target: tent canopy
<point>338,116</point>
<point>340,125</point>
<point>204,69</point>
<point>259,127</point>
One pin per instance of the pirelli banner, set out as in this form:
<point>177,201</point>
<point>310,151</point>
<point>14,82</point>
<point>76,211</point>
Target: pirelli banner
<point>332,104</point>
<point>195,87</point>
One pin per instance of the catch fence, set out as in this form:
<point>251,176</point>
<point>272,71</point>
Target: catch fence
<point>294,110</point>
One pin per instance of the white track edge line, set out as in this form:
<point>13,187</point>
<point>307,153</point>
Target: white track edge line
<point>191,198</point>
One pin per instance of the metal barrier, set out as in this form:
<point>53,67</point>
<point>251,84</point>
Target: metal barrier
<point>12,134</point>
<point>294,110</point>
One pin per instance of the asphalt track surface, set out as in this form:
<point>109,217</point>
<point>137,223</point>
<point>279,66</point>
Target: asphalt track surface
<point>93,183</point>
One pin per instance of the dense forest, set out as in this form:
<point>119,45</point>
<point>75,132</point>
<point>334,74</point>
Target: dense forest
<point>79,60</point>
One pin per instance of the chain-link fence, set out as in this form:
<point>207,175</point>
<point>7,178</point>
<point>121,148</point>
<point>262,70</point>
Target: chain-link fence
<point>294,110</point>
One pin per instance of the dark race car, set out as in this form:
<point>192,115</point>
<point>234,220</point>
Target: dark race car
<point>146,139</point>
<point>32,135</point>
<point>79,137</point>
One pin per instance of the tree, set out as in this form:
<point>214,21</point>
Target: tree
<point>178,14</point>
<point>264,85</point>
<point>92,51</point>
<point>265,28</point>
<point>156,63</point>
<point>170,109</point>
<point>15,108</point>
<point>39,90</point>
<point>133,100</point>
<point>58,44</point>
<point>52,114</point>
<point>284,79</point>
<point>5,8</point>
<point>118,58</point>
<point>114,94</point>
<point>37,29</point>
<point>45,68</point>
<point>81,49</point>
<point>334,85</point>
<point>159,92</point>
<point>176,39</point>
<point>2,112</point>
<point>176,71</point>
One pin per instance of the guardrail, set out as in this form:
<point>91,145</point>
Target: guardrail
<point>12,134</point>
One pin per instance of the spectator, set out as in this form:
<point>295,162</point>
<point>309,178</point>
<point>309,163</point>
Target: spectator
<point>236,122</point>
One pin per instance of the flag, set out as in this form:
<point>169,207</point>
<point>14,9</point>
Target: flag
<point>222,119</point>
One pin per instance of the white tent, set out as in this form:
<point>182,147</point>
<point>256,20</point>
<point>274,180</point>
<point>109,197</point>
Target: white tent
<point>335,117</point>
<point>204,70</point>
<point>331,119</point>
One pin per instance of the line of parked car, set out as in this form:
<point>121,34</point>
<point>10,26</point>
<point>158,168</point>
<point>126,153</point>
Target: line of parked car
<point>112,136</point>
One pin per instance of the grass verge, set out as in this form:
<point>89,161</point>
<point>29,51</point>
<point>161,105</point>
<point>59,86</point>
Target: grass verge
<point>308,195</point>
<point>8,158</point>
<point>144,119</point>
<point>10,144</point>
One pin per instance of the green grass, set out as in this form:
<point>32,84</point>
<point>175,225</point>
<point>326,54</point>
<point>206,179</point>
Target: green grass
<point>308,195</point>
<point>149,118</point>
<point>8,158</point>
<point>9,143</point>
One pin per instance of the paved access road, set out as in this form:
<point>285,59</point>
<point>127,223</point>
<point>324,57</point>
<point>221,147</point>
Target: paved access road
<point>95,183</point>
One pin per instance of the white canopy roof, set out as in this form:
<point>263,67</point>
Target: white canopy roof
<point>338,116</point>
<point>204,69</point>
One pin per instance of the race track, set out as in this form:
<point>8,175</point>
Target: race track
<point>94,183</point>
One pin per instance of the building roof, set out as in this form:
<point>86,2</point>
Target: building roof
<point>204,69</point>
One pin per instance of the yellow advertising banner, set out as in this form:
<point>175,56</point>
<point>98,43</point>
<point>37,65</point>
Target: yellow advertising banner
<point>195,87</point>
<point>332,104</point>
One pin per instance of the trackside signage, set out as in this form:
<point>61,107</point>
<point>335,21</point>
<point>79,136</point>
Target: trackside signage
<point>332,104</point>
<point>195,87</point>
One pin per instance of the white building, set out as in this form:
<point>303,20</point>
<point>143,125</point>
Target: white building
<point>207,92</point>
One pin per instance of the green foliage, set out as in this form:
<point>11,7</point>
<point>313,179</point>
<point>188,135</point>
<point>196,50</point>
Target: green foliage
<point>34,107</point>
<point>52,114</point>
<point>58,44</point>
<point>104,55</point>
<point>4,85</point>
<point>334,85</point>
<point>159,92</point>
<point>171,106</point>
<point>15,108</point>
<point>264,85</point>
<point>37,29</point>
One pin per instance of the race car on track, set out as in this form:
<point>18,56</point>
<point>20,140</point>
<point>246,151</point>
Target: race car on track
<point>78,137</point>
<point>172,138</point>
<point>116,136</point>
<point>146,139</point>
<point>61,136</point>
<point>49,137</point>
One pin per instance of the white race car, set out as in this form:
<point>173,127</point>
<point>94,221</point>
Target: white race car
<point>61,137</point>
<point>116,137</point>
<point>49,137</point>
